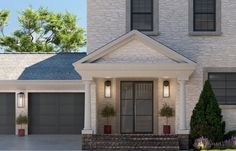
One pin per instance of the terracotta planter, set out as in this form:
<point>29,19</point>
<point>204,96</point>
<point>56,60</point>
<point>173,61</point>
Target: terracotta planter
<point>107,129</point>
<point>21,132</point>
<point>166,129</point>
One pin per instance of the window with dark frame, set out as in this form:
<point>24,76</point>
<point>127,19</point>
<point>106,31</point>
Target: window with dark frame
<point>204,15</point>
<point>142,15</point>
<point>224,87</point>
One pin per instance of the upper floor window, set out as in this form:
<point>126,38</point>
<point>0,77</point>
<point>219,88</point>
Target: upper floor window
<point>205,17</point>
<point>142,15</point>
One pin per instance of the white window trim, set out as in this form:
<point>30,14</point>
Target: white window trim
<point>205,33</point>
<point>155,18</point>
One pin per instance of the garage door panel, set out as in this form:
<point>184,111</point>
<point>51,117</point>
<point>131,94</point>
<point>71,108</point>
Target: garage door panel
<point>69,130</point>
<point>48,120</point>
<point>7,129</point>
<point>7,113</point>
<point>67,109</point>
<point>48,109</point>
<point>7,120</point>
<point>56,113</point>
<point>66,120</point>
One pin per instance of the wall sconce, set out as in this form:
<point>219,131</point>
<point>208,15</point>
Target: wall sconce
<point>107,89</point>
<point>21,100</point>
<point>166,89</point>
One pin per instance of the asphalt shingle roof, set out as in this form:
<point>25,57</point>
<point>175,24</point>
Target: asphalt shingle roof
<point>39,66</point>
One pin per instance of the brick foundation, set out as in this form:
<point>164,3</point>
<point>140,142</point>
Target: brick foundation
<point>183,141</point>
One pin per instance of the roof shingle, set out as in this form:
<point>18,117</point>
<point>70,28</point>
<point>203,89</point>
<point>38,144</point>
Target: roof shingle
<point>39,66</point>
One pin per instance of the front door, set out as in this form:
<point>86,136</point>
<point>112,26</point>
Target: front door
<point>136,107</point>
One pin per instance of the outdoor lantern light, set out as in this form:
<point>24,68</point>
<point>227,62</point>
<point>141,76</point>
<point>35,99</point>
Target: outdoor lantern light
<point>107,89</point>
<point>166,89</point>
<point>21,100</point>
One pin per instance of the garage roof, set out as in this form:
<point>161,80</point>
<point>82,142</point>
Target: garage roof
<point>39,66</point>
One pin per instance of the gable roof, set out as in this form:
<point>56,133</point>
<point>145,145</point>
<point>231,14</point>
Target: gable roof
<point>39,66</point>
<point>124,39</point>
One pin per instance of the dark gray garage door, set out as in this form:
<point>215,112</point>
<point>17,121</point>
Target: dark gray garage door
<point>56,113</point>
<point>7,113</point>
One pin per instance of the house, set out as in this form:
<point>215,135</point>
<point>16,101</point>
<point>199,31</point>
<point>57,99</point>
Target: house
<point>136,46</point>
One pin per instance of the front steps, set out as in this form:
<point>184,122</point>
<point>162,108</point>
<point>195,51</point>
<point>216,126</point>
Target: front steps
<point>129,142</point>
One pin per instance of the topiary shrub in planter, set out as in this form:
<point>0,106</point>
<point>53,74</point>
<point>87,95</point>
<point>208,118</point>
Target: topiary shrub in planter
<point>108,112</point>
<point>167,111</point>
<point>202,143</point>
<point>21,120</point>
<point>206,119</point>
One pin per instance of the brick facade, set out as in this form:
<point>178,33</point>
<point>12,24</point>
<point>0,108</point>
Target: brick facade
<point>107,21</point>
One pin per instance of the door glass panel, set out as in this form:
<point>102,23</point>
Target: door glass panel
<point>143,91</point>
<point>143,107</point>
<point>127,107</point>
<point>127,124</point>
<point>143,124</point>
<point>127,90</point>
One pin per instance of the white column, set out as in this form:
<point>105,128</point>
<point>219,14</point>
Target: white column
<point>87,109</point>
<point>182,106</point>
<point>182,129</point>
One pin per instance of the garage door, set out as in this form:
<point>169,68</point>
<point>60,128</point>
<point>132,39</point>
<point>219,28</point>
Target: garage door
<point>7,113</point>
<point>56,113</point>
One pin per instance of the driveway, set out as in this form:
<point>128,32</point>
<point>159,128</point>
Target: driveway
<point>41,142</point>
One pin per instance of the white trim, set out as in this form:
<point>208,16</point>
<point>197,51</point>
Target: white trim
<point>56,91</point>
<point>89,71</point>
<point>8,91</point>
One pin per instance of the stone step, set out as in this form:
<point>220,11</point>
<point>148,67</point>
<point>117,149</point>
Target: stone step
<point>134,142</point>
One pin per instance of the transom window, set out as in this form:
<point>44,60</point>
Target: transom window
<point>142,15</point>
<point>224,87</point>
<point>204,15</point>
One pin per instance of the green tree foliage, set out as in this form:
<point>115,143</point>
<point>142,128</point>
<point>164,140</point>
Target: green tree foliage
<point>4,15</point>
<point>206,119</point>
<point>43,31</point>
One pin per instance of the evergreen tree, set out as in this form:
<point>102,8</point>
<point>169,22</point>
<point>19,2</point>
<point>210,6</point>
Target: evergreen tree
<point>206,119</point>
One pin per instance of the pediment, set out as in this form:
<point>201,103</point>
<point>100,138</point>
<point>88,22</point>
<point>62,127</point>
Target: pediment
<point>134,48</point>
<point>135,52</point>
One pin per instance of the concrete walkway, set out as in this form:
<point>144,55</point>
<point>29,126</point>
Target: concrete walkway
<point>41,142</point>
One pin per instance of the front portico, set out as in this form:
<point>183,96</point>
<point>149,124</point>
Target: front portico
<point>123,60</point>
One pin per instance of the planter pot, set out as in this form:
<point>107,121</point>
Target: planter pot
<point>166,129</point>
<point>21,132</point>
<point>107,129</point>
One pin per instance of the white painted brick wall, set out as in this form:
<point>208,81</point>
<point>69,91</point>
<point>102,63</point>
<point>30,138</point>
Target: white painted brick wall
<point>107,21</point>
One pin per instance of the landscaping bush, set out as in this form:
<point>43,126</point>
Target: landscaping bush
<point>202,143</point>
<point>231,143</point>
<point>229,135</point>
<point>206,119</point>
<point>218,145</point>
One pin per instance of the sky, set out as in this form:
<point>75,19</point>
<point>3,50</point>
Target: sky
<point>76,7</point>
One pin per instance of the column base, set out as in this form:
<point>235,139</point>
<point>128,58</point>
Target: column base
<point>87,131</point>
